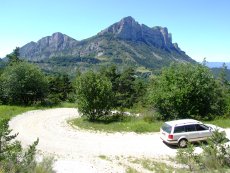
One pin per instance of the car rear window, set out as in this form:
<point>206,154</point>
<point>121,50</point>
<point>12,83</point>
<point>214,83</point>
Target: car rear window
<point>167,128</point>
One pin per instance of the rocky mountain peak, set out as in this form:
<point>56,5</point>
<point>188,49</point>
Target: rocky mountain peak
<point>124,41</point>
<point>48,46</point>
<point>128,29</point>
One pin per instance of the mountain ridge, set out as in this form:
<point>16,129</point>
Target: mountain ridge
<point>126,43</point>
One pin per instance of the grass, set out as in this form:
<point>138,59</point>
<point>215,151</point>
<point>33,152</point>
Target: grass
<point>142,124</point>
<point>8,112</point>
<point>103,157</point>
<point>66,105</point>
<point>133,124</point>
<point>224,123</point>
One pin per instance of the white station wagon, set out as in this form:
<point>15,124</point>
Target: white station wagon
<point>180,132</point>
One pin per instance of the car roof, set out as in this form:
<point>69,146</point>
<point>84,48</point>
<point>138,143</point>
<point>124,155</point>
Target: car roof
<point>182,122</point>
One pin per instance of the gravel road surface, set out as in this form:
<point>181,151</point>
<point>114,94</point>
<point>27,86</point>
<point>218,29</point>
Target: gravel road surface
<point>78,150</point>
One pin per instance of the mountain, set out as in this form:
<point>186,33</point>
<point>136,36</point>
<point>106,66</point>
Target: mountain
<point>217,64</point>
<point>125,43</point>
<point>56,45</point>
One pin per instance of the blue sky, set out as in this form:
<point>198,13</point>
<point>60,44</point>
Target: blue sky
<point>200,27</point>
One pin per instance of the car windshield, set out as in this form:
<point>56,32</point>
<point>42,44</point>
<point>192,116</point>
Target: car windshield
<point>167,128</point>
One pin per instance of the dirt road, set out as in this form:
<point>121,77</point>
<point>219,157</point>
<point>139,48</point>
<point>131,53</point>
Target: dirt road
<point>79,150</point>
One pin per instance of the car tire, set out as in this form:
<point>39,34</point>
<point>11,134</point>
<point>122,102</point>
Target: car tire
<point>182,143</point>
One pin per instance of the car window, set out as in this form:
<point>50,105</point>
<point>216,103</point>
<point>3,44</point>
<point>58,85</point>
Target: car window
<point>200,127</point>
<point>190,128</point>
<point>167,128</point>
<point>179,129</point>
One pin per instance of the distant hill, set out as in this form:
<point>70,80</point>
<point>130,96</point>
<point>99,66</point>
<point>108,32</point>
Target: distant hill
<point>125,43</point>
<point>217,71</point>
<point>217,64</point>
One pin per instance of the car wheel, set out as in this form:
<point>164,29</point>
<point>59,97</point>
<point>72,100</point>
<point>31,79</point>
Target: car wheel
<point>182,143</point>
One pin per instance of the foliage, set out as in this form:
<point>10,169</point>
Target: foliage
<point>225,83</point>
<point>45,166</point>
<point>94,95</point>
<point>187,91</point>
<point>60,88</point>
<point>127,88</point>
<point>12,159</point>
<point>214,157</point>
<point>216,72</point>
<point>14,57</point>
<point>23,83</point>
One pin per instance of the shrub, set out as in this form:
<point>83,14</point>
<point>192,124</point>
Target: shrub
<point>23,83</point>
<point>94,95</point>
<point>187,91</point>
<point>214,157</point>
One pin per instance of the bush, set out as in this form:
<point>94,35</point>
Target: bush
<point>215,156</point>
<point>187,91</point>
<point>23,83</point>
<point>94,95</point>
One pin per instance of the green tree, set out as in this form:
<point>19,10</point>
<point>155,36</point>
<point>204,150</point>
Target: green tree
<point>187,91</point>
<point>23,83</point>
<point>222,78</point>
<point>127,88</point>
<point>14,57</point>
<point>60,87</point>
<point>12,156</point>
<point>94,95</point>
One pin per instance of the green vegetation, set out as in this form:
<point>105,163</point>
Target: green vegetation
<point>187,91</point>
<point>103,157</point>
<point>128,124</point>
<point>222,122</point>
<point>14,56</point>
<point>60,89</point>
<point>7,111</point>
<point>127,88</point>
<point>94,93</point>
<point>22,83</point>
<point>98,93</point>
<point>214,158</point>
<point>179,91</point>
<point>13,159</point>
<point>132,124</point>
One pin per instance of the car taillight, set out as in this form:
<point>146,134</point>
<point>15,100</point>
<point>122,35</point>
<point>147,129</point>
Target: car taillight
<point>170,136</point>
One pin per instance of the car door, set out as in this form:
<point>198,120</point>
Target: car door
<point>191,133</point>
<point>204,131</point>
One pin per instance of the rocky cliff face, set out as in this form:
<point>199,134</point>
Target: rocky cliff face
<point>125,43</point>
<point>129,29</point>
<point>49,46</point>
